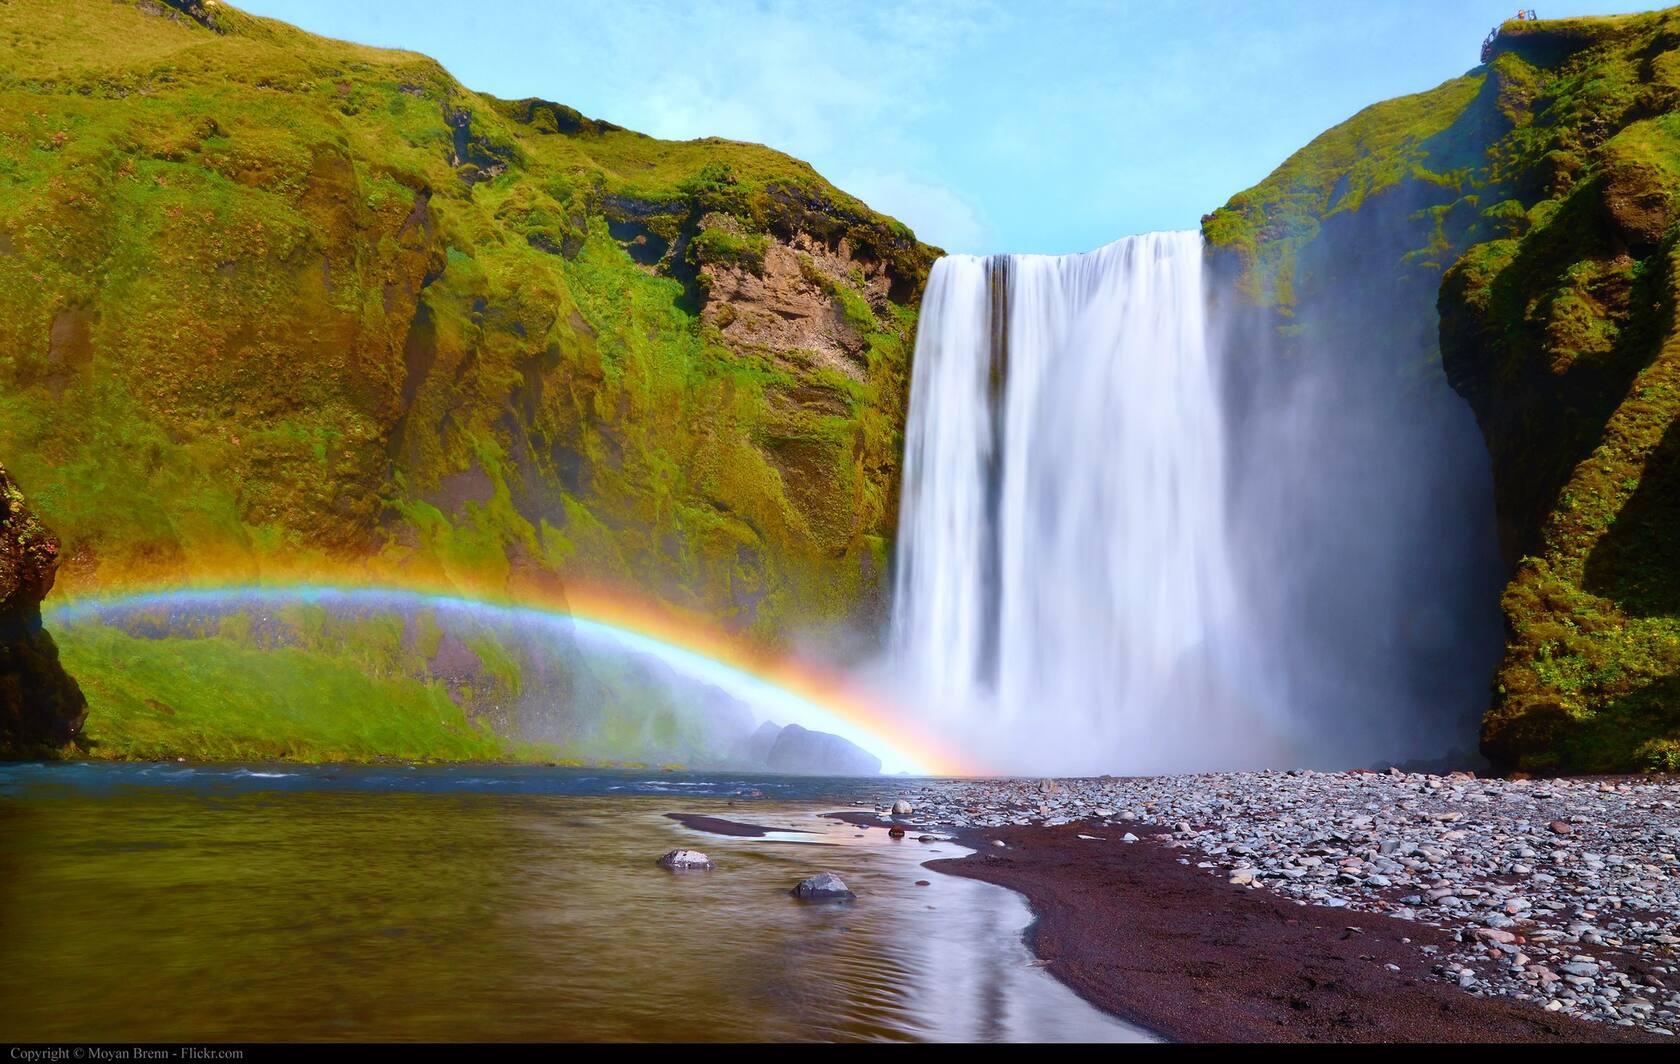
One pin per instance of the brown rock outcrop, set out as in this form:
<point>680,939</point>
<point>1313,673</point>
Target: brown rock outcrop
<point>41,706</point>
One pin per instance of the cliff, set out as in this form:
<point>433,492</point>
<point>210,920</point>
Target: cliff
<point>1530,204</point>
<point>274,306</point>
<point>41,708</point>
<point>271,302</point>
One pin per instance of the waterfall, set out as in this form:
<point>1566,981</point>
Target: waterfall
<point>1064,587</point>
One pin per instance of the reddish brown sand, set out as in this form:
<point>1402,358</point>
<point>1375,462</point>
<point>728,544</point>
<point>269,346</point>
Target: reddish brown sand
<point>1180,952</point>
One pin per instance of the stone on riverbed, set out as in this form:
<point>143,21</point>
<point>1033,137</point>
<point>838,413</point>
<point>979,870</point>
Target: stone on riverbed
<point>824,886</point>
<point>685,861</point>
<point>902,808</point>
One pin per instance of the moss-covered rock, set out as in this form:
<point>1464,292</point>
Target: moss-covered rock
<point>41,708</point>
<point>1544,184</point>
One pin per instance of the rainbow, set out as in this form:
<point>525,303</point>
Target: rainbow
<point>780,688</point>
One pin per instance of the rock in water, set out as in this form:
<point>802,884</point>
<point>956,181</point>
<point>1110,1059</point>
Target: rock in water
<point>824,886</point>
<point>41,707</point>
<point>903,808</point>
<point>685,861</point>
<point>801,751</point>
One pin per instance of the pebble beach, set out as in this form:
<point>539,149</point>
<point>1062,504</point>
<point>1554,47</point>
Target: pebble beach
<point>1563,894</point>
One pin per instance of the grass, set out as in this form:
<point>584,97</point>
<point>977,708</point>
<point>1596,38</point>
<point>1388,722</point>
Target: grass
<point>218,699</point>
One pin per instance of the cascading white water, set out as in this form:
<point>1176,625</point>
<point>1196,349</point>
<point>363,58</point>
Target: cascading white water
<point>1065,591</point>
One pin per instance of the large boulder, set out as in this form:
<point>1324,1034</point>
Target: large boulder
<point>41,707</point>
<point>800,751</point>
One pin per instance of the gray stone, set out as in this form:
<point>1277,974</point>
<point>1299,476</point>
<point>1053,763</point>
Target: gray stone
<point>685,861</point>
<point>824,886</point>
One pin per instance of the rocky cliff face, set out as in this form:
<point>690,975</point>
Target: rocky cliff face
<point>41,708</point>
<point>1531,202</point>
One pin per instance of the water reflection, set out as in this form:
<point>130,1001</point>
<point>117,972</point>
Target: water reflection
<point>203,913</point>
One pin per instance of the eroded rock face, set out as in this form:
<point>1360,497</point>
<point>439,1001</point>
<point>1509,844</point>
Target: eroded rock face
<point>41,707</point>
<point>786,306</point>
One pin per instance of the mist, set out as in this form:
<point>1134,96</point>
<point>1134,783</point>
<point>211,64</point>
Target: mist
<point>1144,529</point>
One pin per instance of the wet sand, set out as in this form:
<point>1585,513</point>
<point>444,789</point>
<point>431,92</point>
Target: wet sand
<point>734,829</point>
<point>1193,958</point>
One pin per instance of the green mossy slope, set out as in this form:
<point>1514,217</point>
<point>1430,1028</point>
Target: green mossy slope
<point>274,306</point>
<point>270,302</point>
<point>1533,201</point>
<point>218,699</point>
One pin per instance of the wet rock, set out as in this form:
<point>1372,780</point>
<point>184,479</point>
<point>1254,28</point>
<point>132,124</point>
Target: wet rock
<point>824,886</point>
<point>685,861</point>
<point>896,832</point>
<point>902,808</point>
<point>41,707</point>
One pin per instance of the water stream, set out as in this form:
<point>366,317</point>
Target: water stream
<point>489,903</point>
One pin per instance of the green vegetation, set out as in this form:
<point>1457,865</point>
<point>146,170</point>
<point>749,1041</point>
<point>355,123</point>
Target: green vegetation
<point>1427,139</point>
<point>271,301</point>
<point>275,305</point>
<point>1543,185</point>
<point>303,682</point>
<point>217,699</point>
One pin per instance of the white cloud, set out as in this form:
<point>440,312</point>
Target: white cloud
<point>841,86</point>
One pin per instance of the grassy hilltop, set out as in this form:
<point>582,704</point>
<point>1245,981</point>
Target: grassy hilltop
<point>272,304</point>
<point>1531,201</point>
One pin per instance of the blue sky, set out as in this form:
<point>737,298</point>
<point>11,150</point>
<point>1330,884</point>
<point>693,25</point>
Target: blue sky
<point>1025,126</point>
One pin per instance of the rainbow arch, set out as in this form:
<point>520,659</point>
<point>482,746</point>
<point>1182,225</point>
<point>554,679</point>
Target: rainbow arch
<point>781,688</point>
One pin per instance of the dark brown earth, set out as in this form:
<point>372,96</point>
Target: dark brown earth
<point>1182,953</point>
<point>733,828</point>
